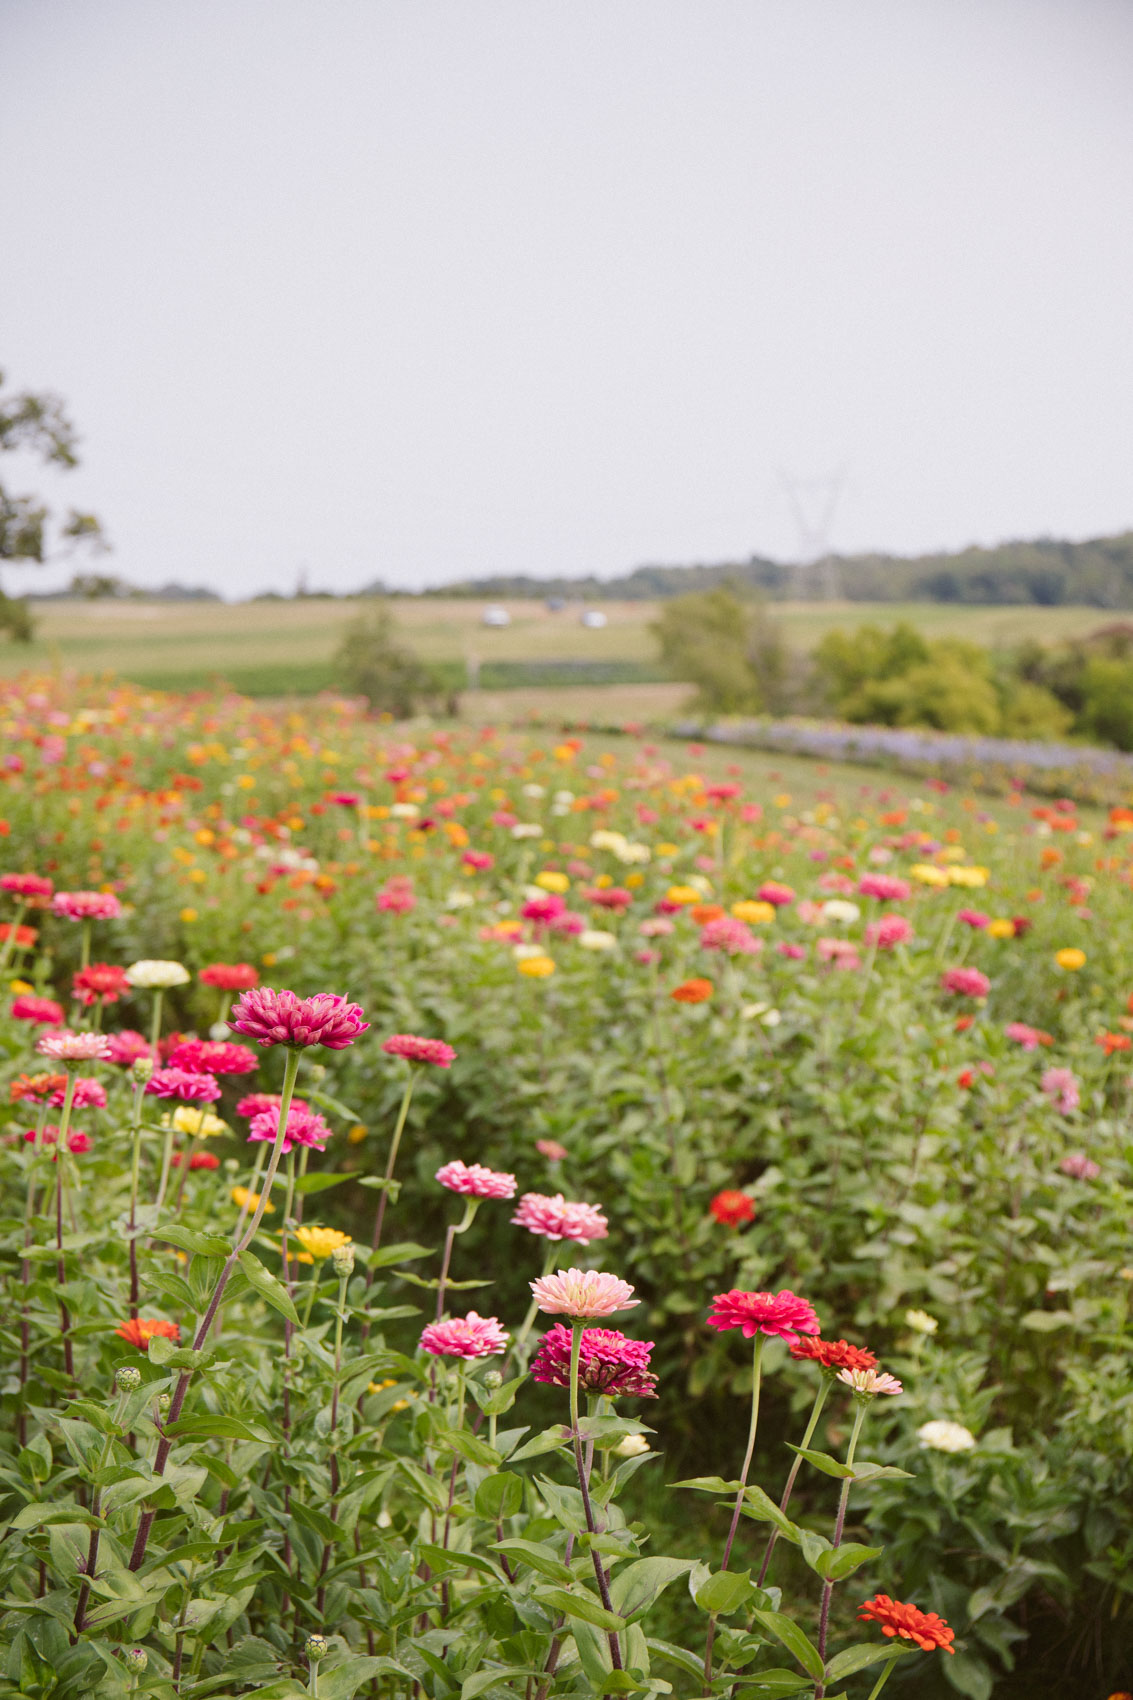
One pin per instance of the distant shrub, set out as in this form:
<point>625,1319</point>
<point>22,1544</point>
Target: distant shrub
<point>730,650</point>
<point>370,662</point>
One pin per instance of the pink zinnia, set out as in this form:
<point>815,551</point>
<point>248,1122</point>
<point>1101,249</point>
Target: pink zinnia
<point>208,1056</point>
<point>480,860</point>
<point>1059,1084</point>
<point>973,918</point>
<point>1080,1167</point>
<point>582,1293</point>
<point>793,952</point>
<point>26,885</point>
<point>74,1047</point>
<point>608,1363</point>
<point>476,1181</point>
<point>86,905</point>
<point>41,1012</point>
<point>230,976</point>
<point>655,927</point>
<point>614,897</point>
<point>257,1102</point>
<point>779,895</point>
<point>86,1095</point>
<point>282,1018</point>
<point>1027,1037</point>
<point>887,888</point>
<point>557,1218</point>
<point>869,1382</point>
<point>552,1150</point>
<point>468,1336</point>
<point>782,1314</point>
<point>345,799</point>
<point>304,1127</point>
<point>543,910</point>
<point>126,1047</point>
<point>416,1050</point>
<point>843,953</point>
<point>396,896</point>
<point>966,982</point>
<point>180,1083</point>
<point>889,932</point>
<point>731,936</point>
<point>78,1141</point>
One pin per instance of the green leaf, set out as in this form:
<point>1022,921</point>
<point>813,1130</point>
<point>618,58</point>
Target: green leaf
<point>306,1184</point>
<point>447,1558</point>
<point>969,1675</point>
<point>635,1588</point>
<point>499,1495</point>
<point>406,1251</point>
<point>485,1679</point>
<point>539,1558</point>
<point>1041,1322</point>
<point>676,1655</point>
<point>855,1659</point>
<point>188,1239</point>
<point>468,1446</point>
<point>268,1287</point>
<point>869,1472</point>
<point>823,1461</point>
<point>336,1108</point>
<point>548,1441</point>
<point>578,1603</point>
<point>787,1631</point>
<point>209,1427</point>
<point>840,1562</point>
<point>768,1684</point>
<point>725,1592</point>
<point>710,1484</point>
<point>342,1681</point>
<point>759,1506</point>
<point>494,1403</point>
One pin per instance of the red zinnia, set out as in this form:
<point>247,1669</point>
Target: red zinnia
<point>199,1160</point>
<point>834,1354</point>
<point>692,991</point>
<point>208,1056</point>
<point>141,1329</point>
<point>230,976</point>
<point>103,980</point>
<point>41,1012</point>
<point>927,1628</point>
<point>732,1208</point>
<point>783,1314</point>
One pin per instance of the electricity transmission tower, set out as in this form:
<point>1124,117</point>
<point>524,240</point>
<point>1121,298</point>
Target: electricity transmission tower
<point>814,502</point>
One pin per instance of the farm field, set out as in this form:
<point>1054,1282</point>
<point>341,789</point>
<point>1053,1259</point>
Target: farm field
<point>269,648</point>
<point>806,1069</point>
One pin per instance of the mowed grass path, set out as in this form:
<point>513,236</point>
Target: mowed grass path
<point>271,648</point>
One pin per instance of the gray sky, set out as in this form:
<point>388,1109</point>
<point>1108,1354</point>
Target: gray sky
<point>438,288</point>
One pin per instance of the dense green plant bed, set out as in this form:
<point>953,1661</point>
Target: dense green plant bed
<point>825,1096</point>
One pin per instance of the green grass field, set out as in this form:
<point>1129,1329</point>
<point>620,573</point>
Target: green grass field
<point>275,648</point>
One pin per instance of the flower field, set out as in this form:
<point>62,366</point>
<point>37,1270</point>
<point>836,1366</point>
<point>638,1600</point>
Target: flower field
<point>487,1217</point>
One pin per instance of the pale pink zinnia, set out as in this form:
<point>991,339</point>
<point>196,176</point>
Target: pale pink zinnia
<point>468,1336</point>
<point>1028,1037</point>
<point>733,937</point>
<point>1080,1167</point>
<point>558,1218</point>
<point>476,1181</point>
<point>304,1127</point>
<point>1059,1084</point>
<point>86,905</point>
<point>582,1293</point>
<point>126,1047</point>
<point>283,1018</point>
<point>887,888</point>
<point>413,1049</point>
<point>889,932</point>
<point>966,982</point>
<point>179,1083</point>
<point>74,1047</point>
<point>782,1314</point>
<point>869,1382</point>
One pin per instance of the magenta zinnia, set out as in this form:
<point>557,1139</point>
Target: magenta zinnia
<point>783,1314</point>
<point>180,1083</point>
<point>304,1127</point>
<point>416,1050</point>
<point>476,1181</point>
<point>582,1293</point>
<point>558,1218</point>
<point>41,1012</point>
<point>283,1018</point>
<point>468,1336</point>
<point>208,1056</point>
<point>86,905</point>
<point>608,1362</point>
<point>966,982</point>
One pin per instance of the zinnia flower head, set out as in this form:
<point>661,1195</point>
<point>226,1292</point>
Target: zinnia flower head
<point>551,1150</point>
<point>37,1087</point>
<point>1059,1084</point>
<point>1070,958</point>
<point>86,905</point>
<point>244,1199</point>
<point>198,1160</point>
<point>476,1181</point>
<point>210,1056</point>
<point>582,1293</point>
<point>157,976</point>
<point>1077,1165</point>
<point>942,1436</point>
<point>304,1127</point>
<point>26,885</point>
<point>41,1012</point>
<point>282,1018</point>
<point>198,1124</point>
<point>138,1331</point>
<point>974,918</point>
<point>126,1047</point>
<point>180,1083</point>
<point>321,1242</point>
<point>782,1314</point>
<point>74,1047</point>
<point>779,895</point>
<point>415,1050</point>
<point>608,1362</point>
<point>888,932</point>
<point>230,976</point>
<point>833,1355</point>
<point>732,1208</point>
<point>887,888</point>
<point>85,1095</point>
<point>926,1628</point>
<point>559,1218</point>
<point>692,991</point>
<point>733,937</point>
<point>966,982</point>
<point>103,980</point>
<point>868,1383</point>
<point>468,1336</point>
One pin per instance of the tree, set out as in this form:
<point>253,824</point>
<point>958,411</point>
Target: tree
<point>370,663</point>
<point>729,649</point>
<point>38,424</point>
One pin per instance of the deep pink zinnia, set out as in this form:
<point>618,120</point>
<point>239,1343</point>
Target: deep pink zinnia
<point>86,905</point>
<point>793,952</point>
<point>257,1102</point>
<point>416,1050</point>
<point>126,1047</point>
<point>181,1084</point>
<point>476,1181</point>
<point>41,1012</point>
<point>887,888</point>
<point>209,1056</point>
<point>974,918</point>
<point>614,897</point>
<point>889,932</point>
<point>733,937</point>
<point>966,982</point>
<point>283,1018</point>
<point>558,1218</point>
<point>608,1363</point>
<point>543,910</point>
<point>779,895</point>
<point>85,1095</point>
<point>304,1127</point>
<point>782,1314</point>
<point>468,1336</point>
<point>26,885</point>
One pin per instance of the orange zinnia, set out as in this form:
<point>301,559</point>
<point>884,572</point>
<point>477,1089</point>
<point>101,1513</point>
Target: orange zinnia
<point>926,1628</point>
<point>140,1330</point>
<point>702,913</point>
<point>1111,1042</point>
<point>692,991</point>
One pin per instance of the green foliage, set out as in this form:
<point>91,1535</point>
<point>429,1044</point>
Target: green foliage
<point>371,663</point>
<point>728,648</point>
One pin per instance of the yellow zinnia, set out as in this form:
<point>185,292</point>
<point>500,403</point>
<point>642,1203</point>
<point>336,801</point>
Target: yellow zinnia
<point>1070,958</point>
<point>536,967</point>
<point>682,894</point>
<point>550,880</point>
<point>198,1124</point>
<point>757,914</point>
<point>1001,928</point>
<point>969,877</point>
<point>321,1242</point>
<point>925,874</point>
<point>245,1200</point>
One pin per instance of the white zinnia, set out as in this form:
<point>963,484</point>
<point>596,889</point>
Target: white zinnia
<point>157,976</point>
<point>943,1436</point>
<point>526,829</point>
<point>593,938</point>
<point>404,811</point>
<point>921,1321</point>
<point>838,909</point>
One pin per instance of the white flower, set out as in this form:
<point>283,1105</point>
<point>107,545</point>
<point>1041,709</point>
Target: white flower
<point>564,799</point>
<point>702,885</point>
<point>921,1321</point>
<point>604,839</point>
<point>634,853</point>
<point>534,791</point>
<point>459,900</point>
<point>157,976</point>
<point>632,1446</point>
<point>525,829</point>
<point>838,909</point>
<point>593,938</point>
<point>522,951</point>
<point>404,811</point>
<point>941,1436</point>
<point>761,1012</point>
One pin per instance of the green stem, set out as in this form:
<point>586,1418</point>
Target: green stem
<point>839,1525</point>
<point>135,1164</point>
<point>577,1328</point>
<point>756,1377</point>
<point>155,1025</point>
<point>257,1169</point>
<point>60,1165</point>
<point>816,1412</point>
<point>9,942</point>
<point>882,1680</point>
<point>471,1205</point>
<point>380,1214</point>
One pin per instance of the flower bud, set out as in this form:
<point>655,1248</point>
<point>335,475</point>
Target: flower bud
<point>141,1069</point>
<point>127,1380</point>
<point>342,1257</point>
<point>315,1646</point>
<point>135,1660</point>
<point>493,1380</point>
<point>163,1403</point>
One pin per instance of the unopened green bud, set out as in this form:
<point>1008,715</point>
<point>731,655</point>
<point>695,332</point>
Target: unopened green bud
<point>135,1660</point>
<point>141,1069</point>
<point>127,1380</point>
<point>163,1404</point>
<point>315,1646</point>
<point>493,1379</point>
<point>342,1257</point>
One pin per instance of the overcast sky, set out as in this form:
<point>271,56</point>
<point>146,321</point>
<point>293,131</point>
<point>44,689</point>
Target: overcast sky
<point>438,288</point>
